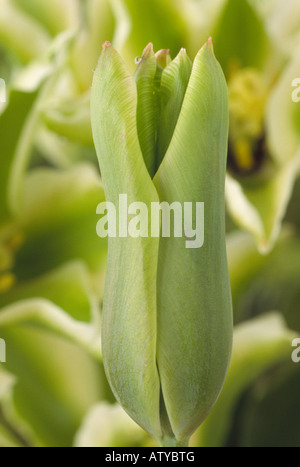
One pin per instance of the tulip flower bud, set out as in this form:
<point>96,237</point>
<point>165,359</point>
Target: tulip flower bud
<point>161,140</point>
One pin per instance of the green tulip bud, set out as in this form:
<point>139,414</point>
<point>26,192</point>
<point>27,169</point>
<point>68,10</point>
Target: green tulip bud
<point>161,139</point>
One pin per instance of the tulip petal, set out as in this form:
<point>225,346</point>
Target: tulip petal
<point>194,301</point>
<point>147,78</point>
<point>129,309</point>
<point>174,81</point>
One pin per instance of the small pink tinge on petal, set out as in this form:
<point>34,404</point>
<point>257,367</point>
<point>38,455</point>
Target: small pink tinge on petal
<point>106,45</point>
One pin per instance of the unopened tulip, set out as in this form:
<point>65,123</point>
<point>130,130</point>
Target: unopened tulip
<point>161,139</point>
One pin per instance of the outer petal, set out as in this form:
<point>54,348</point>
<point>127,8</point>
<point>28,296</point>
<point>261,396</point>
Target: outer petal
<point>194,301</point>
<point>129,311</point>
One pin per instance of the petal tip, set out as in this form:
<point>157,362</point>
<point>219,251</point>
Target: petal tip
<point>163,57</point>
<point>209,44</point>
<point>148,50</point>
<point>106,45</point>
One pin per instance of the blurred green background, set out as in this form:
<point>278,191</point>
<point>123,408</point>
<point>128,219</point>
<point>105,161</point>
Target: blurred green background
<point>53,391</point>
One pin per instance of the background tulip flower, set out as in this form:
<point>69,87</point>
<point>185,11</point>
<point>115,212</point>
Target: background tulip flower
<point>167,319</point>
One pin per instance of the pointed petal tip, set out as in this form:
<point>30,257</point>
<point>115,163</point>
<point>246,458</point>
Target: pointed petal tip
<point>182,51</point>
<point>106,45</point>
<point>208,47</point>
<point>148,50</point>
<point>210,44</point>
<point>147,53</point>
<point>163,57</point>
<point>210,41</point>
<point>162,52</point>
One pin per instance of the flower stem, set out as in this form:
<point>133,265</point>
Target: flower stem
<point>170,442</point>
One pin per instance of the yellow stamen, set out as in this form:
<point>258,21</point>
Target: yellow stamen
<point>7,281</point>
<point>243,153</point>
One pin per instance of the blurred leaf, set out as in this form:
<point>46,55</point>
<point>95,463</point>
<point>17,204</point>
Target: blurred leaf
<point>40,302</point>
<point>275,285</point>
<point>57,151</point>
<point>244,263</point>
<point>269,414</point>
<point>56,384</point>
<point>7,63</point>
<point>282,23</point>
<point>58,220</point>
<point>20,34</point>
<point>7,440</point>
<point>260,207</point>
<point>6,382</point>
<point>7,437</point>
<point>19,121</point>
<point>12,125</point>
<point>239,37</point>
<point>42,312</point>
<point>99,24</point>
<point>70,118</point>
<point>283,114</point>
<point>258,345</point>
<point>107,425</point>
<point>158,22</point>
<point>55,15</point>
<point>50,66</point>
